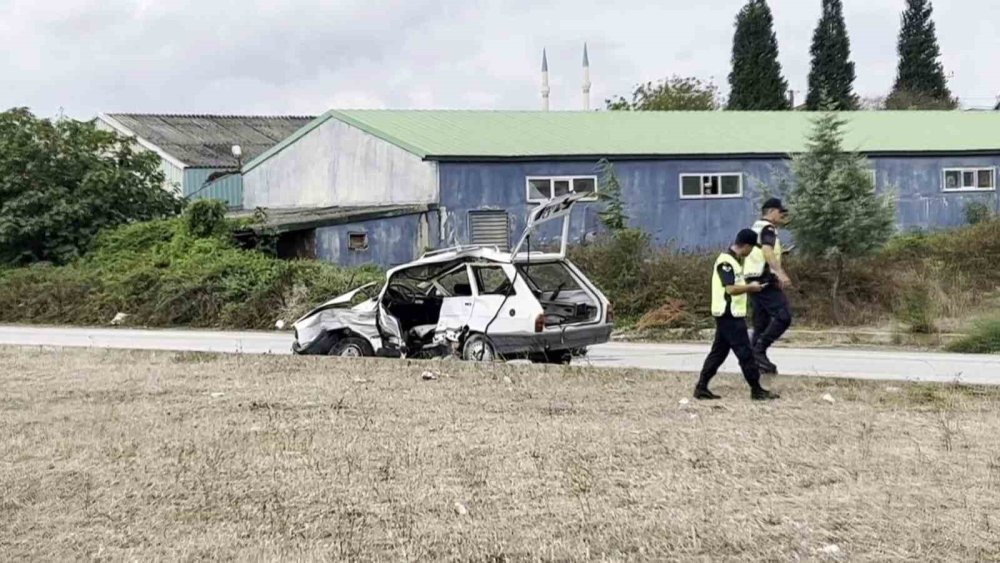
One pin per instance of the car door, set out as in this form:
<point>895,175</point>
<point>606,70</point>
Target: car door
<point>387,325</point>
<point>498,308</point>
<point>456,305</point>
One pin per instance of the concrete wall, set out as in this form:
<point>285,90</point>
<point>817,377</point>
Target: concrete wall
<point>337,164</point>
<point>652,194</point>
<point>391,241</point>
<point>228,189</point>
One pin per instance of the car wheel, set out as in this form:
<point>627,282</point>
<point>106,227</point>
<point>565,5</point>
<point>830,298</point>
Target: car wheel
<point>352,347</point>
<point>478,348</point>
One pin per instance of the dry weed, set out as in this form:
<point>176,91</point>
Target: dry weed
<point>118,455</point>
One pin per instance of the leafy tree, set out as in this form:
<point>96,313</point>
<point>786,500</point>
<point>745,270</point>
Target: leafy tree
<point>756,82</point>
<point>831,77</point>
<point>920,80</point>
<point>671,94</point>
<point>613,216</point>
<point>836,213</point>
<point>62,182</point>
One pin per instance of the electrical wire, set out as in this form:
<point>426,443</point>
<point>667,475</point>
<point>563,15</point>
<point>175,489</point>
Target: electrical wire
<point>506,297</point>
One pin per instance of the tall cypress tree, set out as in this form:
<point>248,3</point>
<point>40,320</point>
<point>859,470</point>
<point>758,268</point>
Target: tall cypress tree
<point>831,78</point>
<point>920,80</point>
<point>755,81</point>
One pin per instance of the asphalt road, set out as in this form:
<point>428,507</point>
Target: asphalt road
<point>858,364</point>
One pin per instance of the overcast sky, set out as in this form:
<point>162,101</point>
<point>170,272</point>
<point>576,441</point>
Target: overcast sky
<point>307,56</point>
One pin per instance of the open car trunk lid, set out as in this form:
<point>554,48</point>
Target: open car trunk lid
<point>558,208</point>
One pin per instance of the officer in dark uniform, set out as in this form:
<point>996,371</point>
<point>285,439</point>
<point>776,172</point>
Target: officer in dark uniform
<point>729,307</point>
<point>771,313</point>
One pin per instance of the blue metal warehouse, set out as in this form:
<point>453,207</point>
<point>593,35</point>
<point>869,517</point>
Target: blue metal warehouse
<point>690,179</point>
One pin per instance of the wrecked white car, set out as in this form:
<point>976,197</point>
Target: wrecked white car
<point>477,303</point>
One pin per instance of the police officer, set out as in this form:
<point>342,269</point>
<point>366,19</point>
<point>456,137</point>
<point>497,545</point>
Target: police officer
<point>771,314</point>
<point>729,307</point>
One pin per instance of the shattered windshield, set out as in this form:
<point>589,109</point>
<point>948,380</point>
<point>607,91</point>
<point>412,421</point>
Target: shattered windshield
<point>420,278</point>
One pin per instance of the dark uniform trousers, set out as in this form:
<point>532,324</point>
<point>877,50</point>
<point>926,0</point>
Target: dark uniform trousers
<point>730,334</point>
<point>771,316</point>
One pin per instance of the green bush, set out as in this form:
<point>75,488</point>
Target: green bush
<point>976,212</point>
<point>906,280</point>
<point>915,308</point>
<point>162,275</point>
<point>984,339</point>
<point>206,218</point>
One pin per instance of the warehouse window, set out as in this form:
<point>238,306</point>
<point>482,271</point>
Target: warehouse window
<point>969,179</point>
<point>700,186</point>
<point>358,242</point>
<point>541,189</point>
<point>489,228</point>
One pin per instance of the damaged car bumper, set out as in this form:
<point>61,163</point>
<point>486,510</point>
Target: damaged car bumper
<point>570,338</point>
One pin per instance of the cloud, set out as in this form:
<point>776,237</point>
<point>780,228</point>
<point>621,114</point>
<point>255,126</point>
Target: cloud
<point>309,55</point>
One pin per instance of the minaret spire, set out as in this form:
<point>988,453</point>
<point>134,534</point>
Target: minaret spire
<point>545,82</point>
<point>586,79</point>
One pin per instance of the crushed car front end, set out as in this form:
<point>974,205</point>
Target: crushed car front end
<point>318,331</point>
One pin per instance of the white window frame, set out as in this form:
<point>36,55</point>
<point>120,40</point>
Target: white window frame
<point>974,169</point>
<point>552,179</point>
<point>700,176</point>
<point>874,174</point>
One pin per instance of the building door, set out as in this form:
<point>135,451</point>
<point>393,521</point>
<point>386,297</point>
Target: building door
<point>489,228</point>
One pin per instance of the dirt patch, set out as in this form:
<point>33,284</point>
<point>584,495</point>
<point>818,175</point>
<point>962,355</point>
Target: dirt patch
<point>127,455</point>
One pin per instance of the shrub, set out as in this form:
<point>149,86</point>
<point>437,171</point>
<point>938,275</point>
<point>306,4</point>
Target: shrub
<point>976,212</point>
<point>984,339</point>
<point>672,314</point>
<point>162,275</point>
<point>615,264</point>
<point>916,309</point>
<point>206,218</point>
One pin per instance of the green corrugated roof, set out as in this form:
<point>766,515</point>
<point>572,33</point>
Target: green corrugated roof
<point>443,135</point>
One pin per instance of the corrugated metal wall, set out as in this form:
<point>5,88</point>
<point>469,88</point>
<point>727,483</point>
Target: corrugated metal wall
<point>391,241</point>
<point>228,189</point>
<point>173,175</point>
<point>652,195</point>
<point>337,164</point>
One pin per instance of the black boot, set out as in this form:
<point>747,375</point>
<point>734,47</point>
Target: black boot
<point>703,394</point>
<point>761,394</point>
<point>763,362</point>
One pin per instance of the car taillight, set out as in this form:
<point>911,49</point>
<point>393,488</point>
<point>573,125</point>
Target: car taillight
<point>610,317</point>
<point>539,323</point>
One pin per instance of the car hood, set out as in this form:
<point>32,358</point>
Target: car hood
<point>338,302</point>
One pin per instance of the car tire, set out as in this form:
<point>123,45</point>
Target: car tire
<point>352,347</point>
<point>478,348</point>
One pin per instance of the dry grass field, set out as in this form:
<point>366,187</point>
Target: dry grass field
<point>119,455</point>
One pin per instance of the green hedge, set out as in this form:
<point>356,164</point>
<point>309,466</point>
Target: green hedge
<point>915,278</point>
<point>163,275</point>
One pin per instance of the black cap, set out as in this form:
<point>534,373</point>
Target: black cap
<point>746,237</point>
<point>774,203</point>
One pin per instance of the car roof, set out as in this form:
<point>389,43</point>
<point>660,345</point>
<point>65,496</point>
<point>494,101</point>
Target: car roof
<point>481,253</point>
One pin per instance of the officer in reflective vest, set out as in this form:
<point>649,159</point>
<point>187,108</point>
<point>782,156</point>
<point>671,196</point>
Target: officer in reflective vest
<point>771,313</point>
<point>729,307</point>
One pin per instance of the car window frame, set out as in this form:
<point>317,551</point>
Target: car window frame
<point>477,290</point>
<point>436,282</point>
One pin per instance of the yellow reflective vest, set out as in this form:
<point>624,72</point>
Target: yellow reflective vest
<point>755,264</point>
<point>721,299</point>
